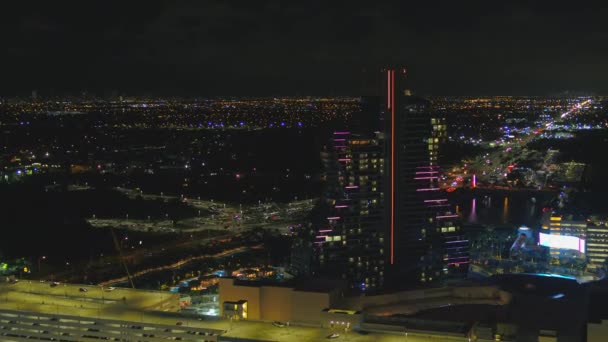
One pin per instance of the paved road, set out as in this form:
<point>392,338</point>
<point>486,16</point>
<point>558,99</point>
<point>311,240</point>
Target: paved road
<point>179,264</point>
<point>511,152</point>
<point>69,295</point>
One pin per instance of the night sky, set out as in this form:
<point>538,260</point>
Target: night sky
<point>208,48</point>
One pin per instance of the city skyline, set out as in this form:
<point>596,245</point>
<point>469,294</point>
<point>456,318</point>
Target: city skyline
<point>217,204</point>
<point>273,171</point>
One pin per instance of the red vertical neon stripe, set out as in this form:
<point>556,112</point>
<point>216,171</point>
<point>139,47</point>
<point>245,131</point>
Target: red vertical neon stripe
<point>392,107</point>
<point>388,89</point>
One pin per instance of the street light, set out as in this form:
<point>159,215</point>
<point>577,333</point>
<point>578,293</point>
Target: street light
<point>41,258</point>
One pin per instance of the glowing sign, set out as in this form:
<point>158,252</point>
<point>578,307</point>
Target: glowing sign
<point>391,106</point>
<point>562,241</point>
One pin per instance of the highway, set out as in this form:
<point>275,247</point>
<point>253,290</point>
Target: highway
<point>221,216</point>
<point>493,166</point>
<point>179,264</point>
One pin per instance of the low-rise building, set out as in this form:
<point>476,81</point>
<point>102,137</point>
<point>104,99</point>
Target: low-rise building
<point>273,302</point>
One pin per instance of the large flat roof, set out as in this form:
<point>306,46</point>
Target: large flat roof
<point>67,300</point>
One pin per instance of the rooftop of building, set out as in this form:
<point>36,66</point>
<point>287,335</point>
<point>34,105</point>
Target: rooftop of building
<point>298,284</point>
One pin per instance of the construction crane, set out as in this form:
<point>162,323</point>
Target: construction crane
<point>122,259</point>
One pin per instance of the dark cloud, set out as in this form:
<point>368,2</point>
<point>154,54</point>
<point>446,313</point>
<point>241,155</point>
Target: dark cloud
<point>278,47</point>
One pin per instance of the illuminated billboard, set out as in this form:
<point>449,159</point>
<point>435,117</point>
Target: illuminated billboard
<point>562,241</point>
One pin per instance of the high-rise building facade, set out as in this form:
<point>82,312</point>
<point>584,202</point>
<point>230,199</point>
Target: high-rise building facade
<point>426,242</point>
<point>439,135</point>
<point>597,245</point>
<point>350,244</point>
<point>385,223</point>
<point>556,224</point>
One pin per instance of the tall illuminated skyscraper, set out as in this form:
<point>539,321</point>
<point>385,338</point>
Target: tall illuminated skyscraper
<point>426,243</point>
<point>350,244</point>
<point>384,224</point>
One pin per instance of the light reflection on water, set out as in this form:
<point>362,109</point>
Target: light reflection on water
<point>517,209</point>
<point>505,210</point>
<point>473,213</point>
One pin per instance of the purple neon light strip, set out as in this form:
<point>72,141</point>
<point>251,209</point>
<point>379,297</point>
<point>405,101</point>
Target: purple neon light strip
<point>351,187</point>
<point>458,263</point>
<point>334,218</point>
<point>325,230</point>
<point>457,241</point>
<point>341,133</point>
<point>339,139</point>
<point>429,177</point>
<point>436,200</point>
<point>341,206</point>
<point>429,189</point>
<point>321,236</point>
<point>446,216</point>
